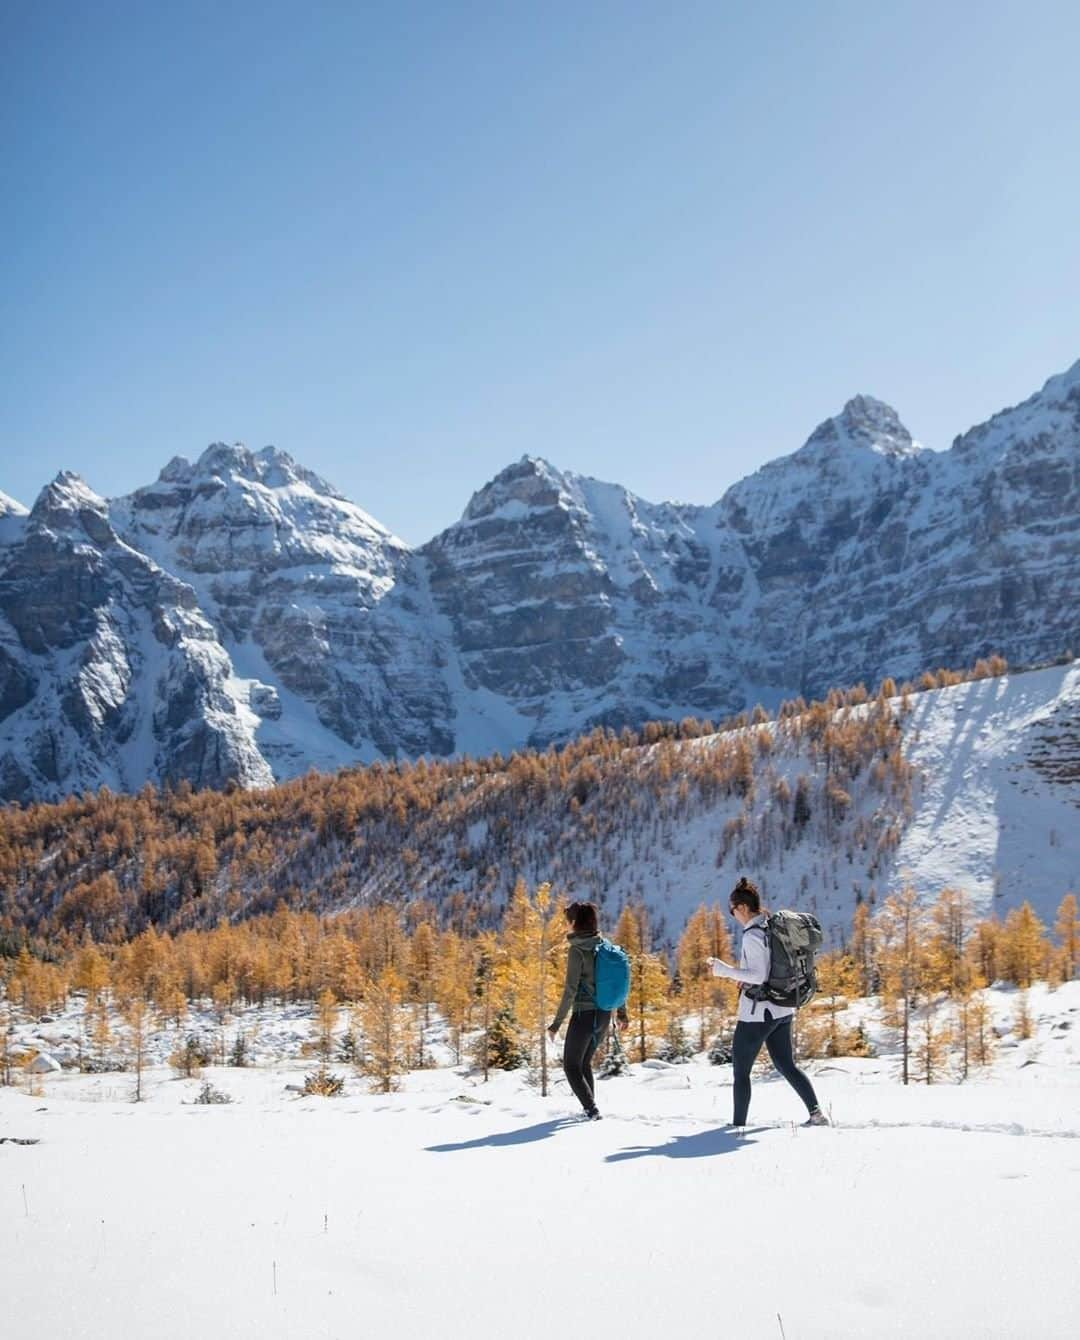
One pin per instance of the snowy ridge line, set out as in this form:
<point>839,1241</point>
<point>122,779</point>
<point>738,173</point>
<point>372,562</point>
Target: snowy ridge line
<point>292,630</point>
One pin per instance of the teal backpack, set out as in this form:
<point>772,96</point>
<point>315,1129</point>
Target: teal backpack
<point>612,976</point>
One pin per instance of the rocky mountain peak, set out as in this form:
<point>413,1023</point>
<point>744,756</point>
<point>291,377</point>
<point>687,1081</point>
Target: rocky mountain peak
<point>67,504</point>
<point>271,467</point>
<point>68,492</point>
<point>863,424</point>
<point>221,458</point>
<point>529,484</point>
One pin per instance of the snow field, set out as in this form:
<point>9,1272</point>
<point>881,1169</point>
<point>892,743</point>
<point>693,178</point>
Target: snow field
<point>454,1208</point>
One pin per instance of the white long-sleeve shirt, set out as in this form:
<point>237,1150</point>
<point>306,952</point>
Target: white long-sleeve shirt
<point>753,969</point>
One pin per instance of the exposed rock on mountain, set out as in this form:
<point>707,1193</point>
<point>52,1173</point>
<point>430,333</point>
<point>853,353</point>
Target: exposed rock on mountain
<point>109,673</point>
<point>240,619</point>
<point>321,608</point>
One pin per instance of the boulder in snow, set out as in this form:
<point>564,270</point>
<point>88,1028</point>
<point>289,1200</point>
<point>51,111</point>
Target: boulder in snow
<point>43,1064</point>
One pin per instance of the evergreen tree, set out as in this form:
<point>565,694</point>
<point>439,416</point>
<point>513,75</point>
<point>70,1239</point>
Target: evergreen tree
<point>676,1046</point>
<point>492,971</point>
<point>240,1055</point>
<point>499,1046</point>
<point>800,813</point>
<point>615,1061</point>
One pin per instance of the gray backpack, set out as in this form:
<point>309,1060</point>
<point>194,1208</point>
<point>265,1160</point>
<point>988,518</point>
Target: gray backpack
<point>792,939</point>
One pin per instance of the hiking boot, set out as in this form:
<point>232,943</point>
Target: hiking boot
<point>817,1118</point>
<point>593,1114</point>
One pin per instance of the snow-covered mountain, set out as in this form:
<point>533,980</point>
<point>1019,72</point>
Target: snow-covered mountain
<point>322,611</point>
<point>311,636</point>
<point>109,671</point>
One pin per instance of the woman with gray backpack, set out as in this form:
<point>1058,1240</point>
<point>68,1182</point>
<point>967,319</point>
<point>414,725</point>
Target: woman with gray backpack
<point>597,983</point>
<point>762,1019</point>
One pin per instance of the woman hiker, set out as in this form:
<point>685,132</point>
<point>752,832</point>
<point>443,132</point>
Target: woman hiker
<point>760,1021</point>
<point>588,1025</point>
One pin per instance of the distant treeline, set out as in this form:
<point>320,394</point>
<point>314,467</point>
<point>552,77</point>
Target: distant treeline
<point>456,834</point>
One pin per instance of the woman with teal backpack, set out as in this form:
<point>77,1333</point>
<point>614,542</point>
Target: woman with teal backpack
<point>587,989</point>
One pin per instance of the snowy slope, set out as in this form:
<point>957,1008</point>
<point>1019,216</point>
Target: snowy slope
<point>459,1209</point>
<point>999,802</point>
<point>12,516</point>
<point>987,802</point>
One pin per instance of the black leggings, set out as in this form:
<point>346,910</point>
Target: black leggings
<point>776,1035</point>
<point>586,1032</point>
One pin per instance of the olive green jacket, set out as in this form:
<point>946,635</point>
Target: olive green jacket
<point>579,993</point>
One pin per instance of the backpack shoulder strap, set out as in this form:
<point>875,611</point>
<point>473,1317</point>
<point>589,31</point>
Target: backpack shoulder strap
<point>764,929</point>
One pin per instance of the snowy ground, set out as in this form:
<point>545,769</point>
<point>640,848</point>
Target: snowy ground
<point>455,1208</point>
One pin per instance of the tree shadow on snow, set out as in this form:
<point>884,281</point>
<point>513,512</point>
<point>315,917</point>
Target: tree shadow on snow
<point>524,1135</point>
<point>701,1145</point>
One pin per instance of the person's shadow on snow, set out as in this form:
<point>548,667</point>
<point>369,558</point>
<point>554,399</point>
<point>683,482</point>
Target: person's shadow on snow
<point>701,1145</point>
<point>524,1135</point>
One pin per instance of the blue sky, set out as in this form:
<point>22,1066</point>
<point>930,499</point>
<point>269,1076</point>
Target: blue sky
<point>409,243</point>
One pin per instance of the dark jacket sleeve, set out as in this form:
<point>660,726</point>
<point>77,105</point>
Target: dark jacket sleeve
<point>573,977</point>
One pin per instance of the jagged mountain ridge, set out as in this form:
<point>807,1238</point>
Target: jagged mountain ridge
<point>282,627</point>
